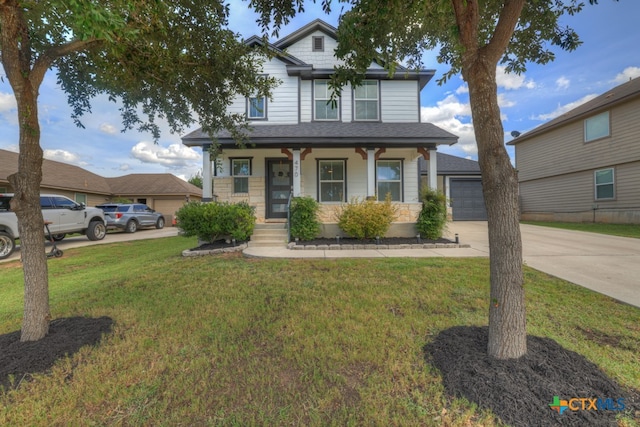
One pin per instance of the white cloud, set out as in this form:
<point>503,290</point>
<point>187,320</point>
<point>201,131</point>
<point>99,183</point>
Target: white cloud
<point>7,102</point>
<point>564,108</point>
<point>627,74</point>
<point>453,116</point>
<point>562,82</point>
<point>124,167</point>
<point>512,81</point>
<point>108,129</point>
<point>462,89</point>
<point>64,157</point>
<point>173,156</point>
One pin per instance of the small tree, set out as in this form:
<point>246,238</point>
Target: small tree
<point>196,179</point>
<point>304,222</point>
<point>432,219</point>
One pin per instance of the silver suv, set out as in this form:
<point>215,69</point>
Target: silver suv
<point>131,216</point>
<point>63,214</point>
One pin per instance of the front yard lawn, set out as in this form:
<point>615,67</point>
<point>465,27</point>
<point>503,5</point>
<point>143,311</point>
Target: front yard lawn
<point>227,340</point>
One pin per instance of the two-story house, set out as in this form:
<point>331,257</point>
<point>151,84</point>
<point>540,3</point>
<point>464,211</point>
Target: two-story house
<point>365,145</point>
<point>584,166</point>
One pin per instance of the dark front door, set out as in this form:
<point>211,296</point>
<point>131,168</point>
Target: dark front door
<point>279,183</point>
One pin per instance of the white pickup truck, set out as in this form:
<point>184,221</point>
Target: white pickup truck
<point>63,214</point>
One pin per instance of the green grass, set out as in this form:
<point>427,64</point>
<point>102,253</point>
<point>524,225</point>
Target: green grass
<point>624,230</point>
<point>226,340</point>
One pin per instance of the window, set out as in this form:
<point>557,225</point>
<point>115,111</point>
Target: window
<point>596,127</point>
<point>241,169</point>
<point>389,179</point>
<point>331,180</point>
<point>257,108</point>
<point>317,44</point>
<point>323,107</point>
<point>604,182</point>
<point>366,100</point>
<point>81,198</point>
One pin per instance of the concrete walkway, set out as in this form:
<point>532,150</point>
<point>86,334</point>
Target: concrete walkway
<point>606,264</point>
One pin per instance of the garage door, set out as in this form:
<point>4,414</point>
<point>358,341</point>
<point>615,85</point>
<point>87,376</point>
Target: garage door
<point>467,201</point>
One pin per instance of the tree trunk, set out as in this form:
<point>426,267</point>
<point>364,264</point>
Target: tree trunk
<point>507,313</point>
<point>26,182</point>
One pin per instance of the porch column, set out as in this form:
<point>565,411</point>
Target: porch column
<point>207,190</point>
<point>433,170</point>
<point>371,172</point>
<point>296,173</point>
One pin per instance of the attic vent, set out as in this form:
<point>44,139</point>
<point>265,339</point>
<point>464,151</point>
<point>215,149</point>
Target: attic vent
<point>318,44</point>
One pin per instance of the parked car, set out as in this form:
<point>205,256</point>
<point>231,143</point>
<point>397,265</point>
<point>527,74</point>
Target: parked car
<point>131,216</point>
<point>63,214</point>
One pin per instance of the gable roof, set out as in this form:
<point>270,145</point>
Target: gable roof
<point>332,135</point>
<point>619,94</point>
<point>451,165</point>
<point>304,31</point>
<point>62,176</point>
<point>57,175</point>
<point>155,184</point>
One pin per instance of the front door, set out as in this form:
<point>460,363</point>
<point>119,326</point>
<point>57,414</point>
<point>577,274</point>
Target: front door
<point>279,183</point>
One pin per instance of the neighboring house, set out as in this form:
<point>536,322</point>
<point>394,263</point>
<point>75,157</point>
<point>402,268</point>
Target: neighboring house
<point>165,192</point>
<point>584,166</point>
<point>367,145</point>
<point>460,181</point>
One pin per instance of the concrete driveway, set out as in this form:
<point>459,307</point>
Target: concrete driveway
<point>606,264</point>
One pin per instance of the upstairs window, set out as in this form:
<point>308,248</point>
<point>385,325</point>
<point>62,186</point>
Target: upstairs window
<point>604,183</point>
<point>331,180</point>
<point>324,109</point>
<point>317,44</point>
<point>366,100</point>
<point>596,127</point>
<point>257,108</point>
<point>240,170</point>
<point>389,179</point>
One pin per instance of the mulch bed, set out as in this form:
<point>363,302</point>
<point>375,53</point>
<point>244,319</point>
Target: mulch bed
<point>66,336</point>
<point>218,244</point>
<point>520,391</point>
<point>382,241</point>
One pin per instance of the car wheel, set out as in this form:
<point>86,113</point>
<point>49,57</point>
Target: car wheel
<point>160,223</point>
<point>131,227</point>
<point>58,237</point>
<point>7,245</point>
<point>97,230</point>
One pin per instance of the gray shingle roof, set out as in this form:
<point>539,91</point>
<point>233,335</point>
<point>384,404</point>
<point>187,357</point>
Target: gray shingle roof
<point>164,184</point>
<point>334,135</point>
<point>452,165</point>
<point>617,95</point>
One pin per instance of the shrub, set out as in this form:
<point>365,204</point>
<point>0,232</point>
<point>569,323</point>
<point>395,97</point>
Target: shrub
<point>304,222</point>
<point>366,219</point>
<point>212,221</point>
<point>433,215</point>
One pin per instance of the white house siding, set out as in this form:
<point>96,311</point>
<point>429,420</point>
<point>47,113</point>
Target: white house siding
<point>302,50</point>
<point>399,101</point>
<point>306,110</point>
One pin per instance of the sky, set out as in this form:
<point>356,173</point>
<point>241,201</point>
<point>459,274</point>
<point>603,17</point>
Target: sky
<point>609,56</point>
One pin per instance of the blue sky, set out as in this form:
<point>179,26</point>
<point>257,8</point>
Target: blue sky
<point>608,57</point>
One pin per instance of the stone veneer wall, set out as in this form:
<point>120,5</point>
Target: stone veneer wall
<point>223,189</point>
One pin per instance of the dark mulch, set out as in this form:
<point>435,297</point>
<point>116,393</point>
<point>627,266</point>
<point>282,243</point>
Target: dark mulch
<point>382,241</point>
<point>218,244</point>
<point>66,336</point>
<point>520,391</point>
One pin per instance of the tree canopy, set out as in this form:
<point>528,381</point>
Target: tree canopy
<point>172,59</point>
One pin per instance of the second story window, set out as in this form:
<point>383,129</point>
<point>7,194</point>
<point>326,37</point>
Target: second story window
<point>257,108</point>
<point>596,127</point>
<point>324,109</point>
<point>366,100</point>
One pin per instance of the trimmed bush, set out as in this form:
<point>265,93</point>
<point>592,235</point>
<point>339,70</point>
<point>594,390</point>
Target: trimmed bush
<point>432,220</point>
<point>366,219</point>
<point>213,221</point>
<point>304,222</point>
